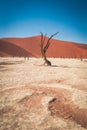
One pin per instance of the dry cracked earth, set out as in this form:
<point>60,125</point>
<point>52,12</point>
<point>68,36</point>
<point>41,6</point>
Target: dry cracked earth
<point>37,97</point>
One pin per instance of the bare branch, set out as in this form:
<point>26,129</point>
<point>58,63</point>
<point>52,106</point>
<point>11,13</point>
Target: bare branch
<point>44,38</point>
<point>52,36</point>
<point>41,37</point>
<point>48,42</point>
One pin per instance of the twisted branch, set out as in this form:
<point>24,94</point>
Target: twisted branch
<point>44,49</point>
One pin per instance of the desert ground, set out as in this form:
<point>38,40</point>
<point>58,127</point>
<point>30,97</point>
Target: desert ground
<point>38,97</point>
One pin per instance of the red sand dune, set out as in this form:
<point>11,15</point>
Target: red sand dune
<point>31,47</point>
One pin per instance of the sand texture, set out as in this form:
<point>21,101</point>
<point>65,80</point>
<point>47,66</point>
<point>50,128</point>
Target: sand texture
<point>37,97</point>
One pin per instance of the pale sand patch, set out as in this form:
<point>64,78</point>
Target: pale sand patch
<point>46,100</point>
<point>11,97</point>
<point>80,98</point>
<point>19,94</point>
<point>29,72</point>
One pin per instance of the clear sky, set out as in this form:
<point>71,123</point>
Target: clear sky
<point>25,18</point>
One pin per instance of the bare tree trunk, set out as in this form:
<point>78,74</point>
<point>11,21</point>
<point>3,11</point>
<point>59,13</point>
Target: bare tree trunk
<point>44,48</point>
<point>46,61</point>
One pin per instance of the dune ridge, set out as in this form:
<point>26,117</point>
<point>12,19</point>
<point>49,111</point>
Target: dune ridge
<point>30,47</point>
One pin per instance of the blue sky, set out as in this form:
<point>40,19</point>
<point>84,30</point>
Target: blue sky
<point>25,18</point>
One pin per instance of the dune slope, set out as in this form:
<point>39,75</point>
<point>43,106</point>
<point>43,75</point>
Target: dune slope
<point>31,45</point>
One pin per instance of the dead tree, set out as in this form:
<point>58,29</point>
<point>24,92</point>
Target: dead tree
<point>44,47</point>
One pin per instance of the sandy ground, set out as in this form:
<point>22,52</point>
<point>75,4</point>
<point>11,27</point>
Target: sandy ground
<point>37,97</point>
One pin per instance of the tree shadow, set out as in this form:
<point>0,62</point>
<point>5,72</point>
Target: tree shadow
<point>54,66</point>
<point>63,66</point>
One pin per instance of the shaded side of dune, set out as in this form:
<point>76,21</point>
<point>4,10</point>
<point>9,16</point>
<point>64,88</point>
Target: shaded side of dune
<point>9,49</point>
